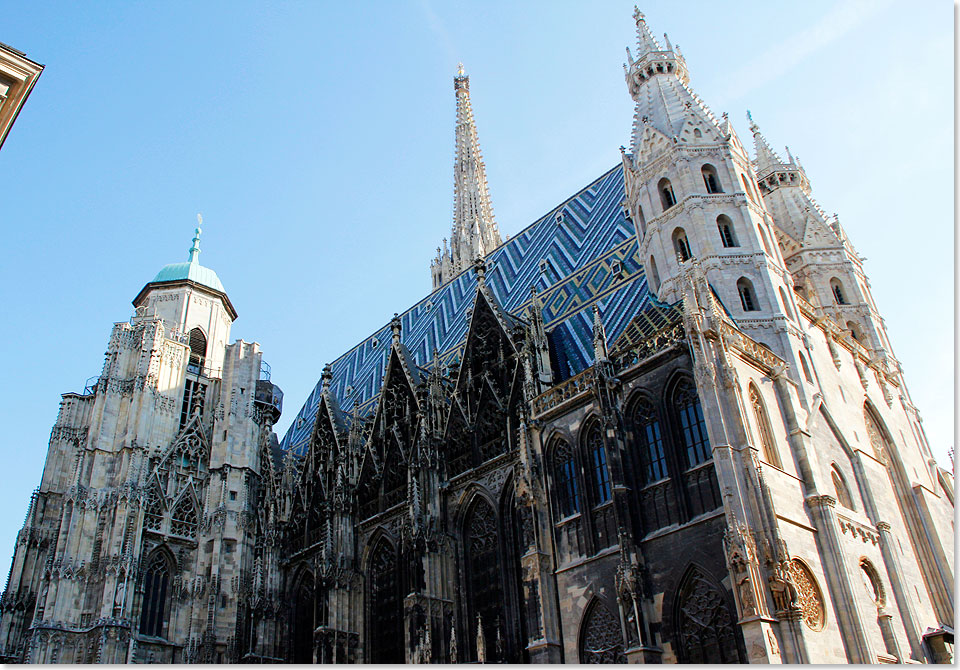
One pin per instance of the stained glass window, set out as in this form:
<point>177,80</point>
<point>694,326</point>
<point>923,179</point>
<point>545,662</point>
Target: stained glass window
<point>692,426</point>
<point>653,462</point>
<point>568,489</point>
<point>598,465</point>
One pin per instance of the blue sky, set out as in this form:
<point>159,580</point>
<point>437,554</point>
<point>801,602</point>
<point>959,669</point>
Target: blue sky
<point>317,140</point>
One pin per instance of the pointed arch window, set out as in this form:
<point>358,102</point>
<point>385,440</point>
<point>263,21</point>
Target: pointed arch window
<point>667,197</point>
<point>693,428</point>
<point>153,507</point>
<point>746,187</point>
<point>875,434</point>
<point>600,637</point>
<point>304,603</point>
<point>767,445</point>
<point>156,582</point>
<point>840,487</point>
<point>805,367</point>
<point>727,235</point>
<point>386,605</point>
<point>839,295</point>
<point>681,245</point>
<point>485,580</point>
<point>704,624</point>
<point>710,179</point>
<point>788,310</point>
<point>183,521</point>
<point>600,478</point>
<point>654,275</point>
<point>653,462</point>
<point>567,478</point>
<point>748,300</point>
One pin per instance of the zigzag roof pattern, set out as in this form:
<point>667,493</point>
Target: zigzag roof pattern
<point>580,253</point>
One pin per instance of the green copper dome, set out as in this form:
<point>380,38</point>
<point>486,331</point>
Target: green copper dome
<point>191,270</point>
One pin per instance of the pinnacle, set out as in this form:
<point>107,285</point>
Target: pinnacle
<point>767,158</point>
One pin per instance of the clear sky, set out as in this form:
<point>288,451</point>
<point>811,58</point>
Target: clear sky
<point>317,140</point>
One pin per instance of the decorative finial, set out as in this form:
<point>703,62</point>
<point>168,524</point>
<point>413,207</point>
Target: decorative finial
<point>326,376</point>
<point>396,326</point>
<point>480,267</point>
<point>195,249</point>
<point>637,14</point>
<point>459,69</point>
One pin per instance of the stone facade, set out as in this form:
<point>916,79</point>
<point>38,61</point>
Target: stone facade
<point>736,473</point>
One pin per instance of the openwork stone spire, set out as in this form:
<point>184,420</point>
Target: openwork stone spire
<point>474,232</point>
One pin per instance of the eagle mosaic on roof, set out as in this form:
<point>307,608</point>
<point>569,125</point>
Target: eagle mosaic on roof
<point>581,253</point>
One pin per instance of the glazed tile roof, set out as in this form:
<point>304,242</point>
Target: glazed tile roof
<point>582,252</point>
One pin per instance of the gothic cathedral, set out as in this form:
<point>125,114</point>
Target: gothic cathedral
<point>663,423</point>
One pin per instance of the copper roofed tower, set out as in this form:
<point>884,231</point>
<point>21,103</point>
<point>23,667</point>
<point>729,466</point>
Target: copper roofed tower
<point>474,232</point>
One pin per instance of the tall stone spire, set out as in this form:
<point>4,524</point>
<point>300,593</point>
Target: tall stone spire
<point>474,232</point>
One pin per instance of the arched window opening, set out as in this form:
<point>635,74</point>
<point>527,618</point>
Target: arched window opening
<point>764,240</point>
<point>198,350</point>
<point>667,197</point>
<point>746,186</point>
<point>303,620</point>
<point>654,275</point>
<point>704,626</point>
<point>840,487</point>
<point>872,582</point>
<point>747,298</point>
<point>855,331</point>
<point>875,434</point>
<point>386,606</point>
<point>485,582</point>
<point>156,581</point>
<point>727,235</point>
<point>565,474</point>
<point>183,521</point>
<point>839,295</point>
<point>692,426</point>
<point>710,179</point>
<point>642,220</point>
<point>697,133</point>
<point>681,245</point>
<point>767,445</point>
<point>652,464</point>
<point>805,367</point>
<point>600,478</point>
<point>788,310</point>
<point>600,637</point>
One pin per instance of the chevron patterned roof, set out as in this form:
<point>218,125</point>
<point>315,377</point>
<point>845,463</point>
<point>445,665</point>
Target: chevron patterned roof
<point>582,252</point>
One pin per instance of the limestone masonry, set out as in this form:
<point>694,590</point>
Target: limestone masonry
<point>663,423</point>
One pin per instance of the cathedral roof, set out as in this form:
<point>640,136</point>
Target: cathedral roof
<point>582,253</point>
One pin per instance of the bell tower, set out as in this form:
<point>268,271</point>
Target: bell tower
<point>691,196</point>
